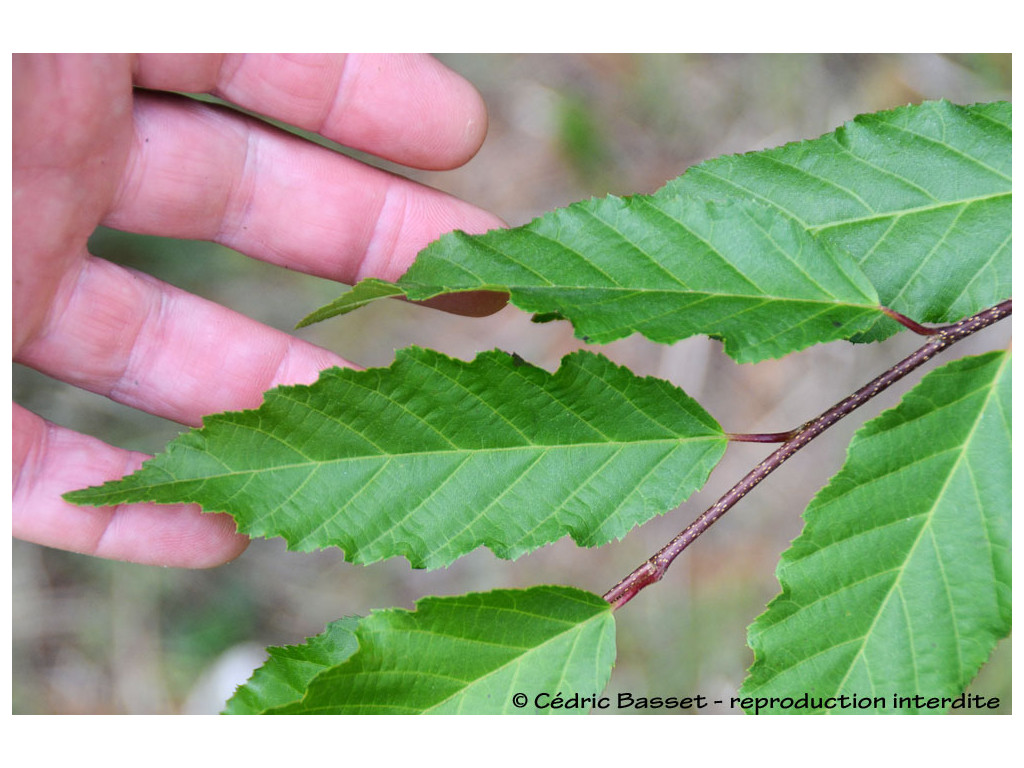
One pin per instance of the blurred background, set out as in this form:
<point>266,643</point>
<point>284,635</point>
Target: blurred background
<point>91,636</point>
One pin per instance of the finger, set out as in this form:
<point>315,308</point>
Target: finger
<point>155,347</point>
<point>199,172</point>
<point>409,108</point>
<point>50,460</point>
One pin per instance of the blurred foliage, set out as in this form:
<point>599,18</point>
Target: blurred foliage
<point>582,142</point>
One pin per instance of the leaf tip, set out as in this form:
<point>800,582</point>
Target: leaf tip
<point>361,294</point>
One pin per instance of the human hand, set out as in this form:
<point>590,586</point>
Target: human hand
<point>89,151</point>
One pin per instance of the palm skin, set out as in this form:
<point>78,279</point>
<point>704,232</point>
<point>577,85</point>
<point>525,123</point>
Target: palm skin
<point>91,149</point>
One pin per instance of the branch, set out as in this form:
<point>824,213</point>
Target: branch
<point>654,568</point>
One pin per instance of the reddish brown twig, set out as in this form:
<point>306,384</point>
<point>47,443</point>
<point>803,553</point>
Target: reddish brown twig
<point>654,568</point>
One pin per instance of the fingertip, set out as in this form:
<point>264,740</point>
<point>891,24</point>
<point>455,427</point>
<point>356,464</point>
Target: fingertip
<point>172,536</point>
<point>474,129</point>
<point>217,544</point>
<point>409,108</point>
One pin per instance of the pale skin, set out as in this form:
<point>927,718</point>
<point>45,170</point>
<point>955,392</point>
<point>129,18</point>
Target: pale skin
<point>89,150</point>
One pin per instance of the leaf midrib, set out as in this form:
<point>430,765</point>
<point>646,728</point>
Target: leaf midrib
<point>314,464</point>
<point>763,297</point>
<point>967,201</point>
<point>852,220</point>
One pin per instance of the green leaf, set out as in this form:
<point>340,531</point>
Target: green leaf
<point>361,294</point>
<point>433,457</point>
<point>900,581</point>
<point>919,195</point>
<point>918,198</point>
<point>471,655</point>
<point>286,675</point>
<point>667,267</point>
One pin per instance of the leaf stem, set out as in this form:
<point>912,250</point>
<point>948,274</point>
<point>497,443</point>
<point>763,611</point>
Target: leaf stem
<point>761,437</point>
<point>906,322</point>
<point>653,569</point>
